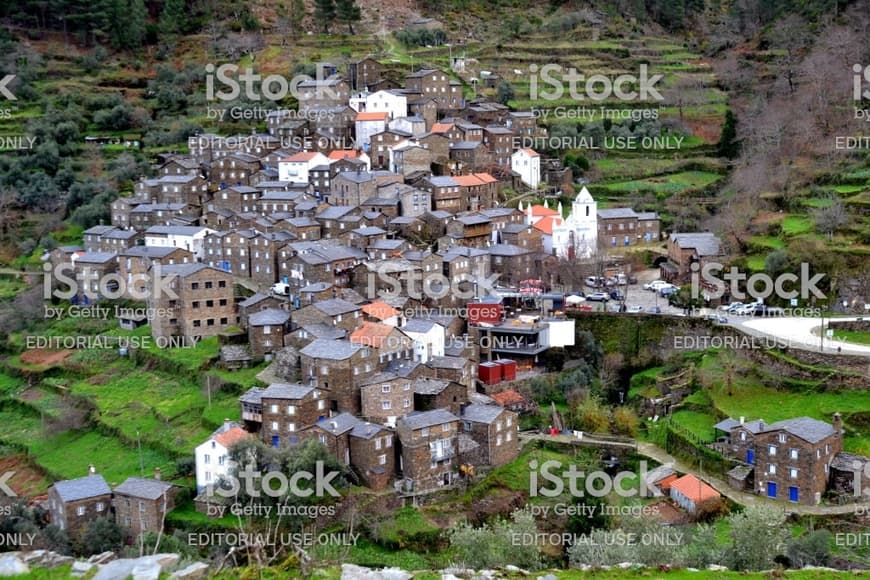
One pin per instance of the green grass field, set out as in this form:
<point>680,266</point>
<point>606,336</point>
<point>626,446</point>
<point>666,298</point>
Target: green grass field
<point>672,184</point>
<point>853,336</point>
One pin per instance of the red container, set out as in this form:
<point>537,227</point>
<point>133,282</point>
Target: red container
<point>489,373</point>
<point>508,369</point>
<point>484,312</point>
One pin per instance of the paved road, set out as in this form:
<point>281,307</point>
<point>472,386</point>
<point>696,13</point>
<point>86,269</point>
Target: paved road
<point>797,332</point>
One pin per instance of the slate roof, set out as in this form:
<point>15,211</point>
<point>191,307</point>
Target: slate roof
<point>143,488</point>
<point>481,413</point>
<point>331,349</point>
<point>427,386</point>
<point>254,395</point>
<point>808,429</point>
<point>293,391</point>
<point>616,213</point>
<point>418,325</point>
<point>269,316</point>
<point>335,306</point>
<point>421,419</point>
<point>705,244</point>
<point>365,430</point>
<point>250,301</point>
<point>341,423</point>
<point>82,488</point>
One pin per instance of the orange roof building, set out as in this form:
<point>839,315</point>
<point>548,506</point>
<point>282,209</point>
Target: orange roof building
<point>508,397</point>
<point>689,492</point>
<point>372,116</point>
<point>379,310</point>
<point>373,334</point>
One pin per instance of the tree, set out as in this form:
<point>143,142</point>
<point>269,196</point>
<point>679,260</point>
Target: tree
<point>591,416</point>
<point>810,549</point>
<point>832,217</point>
<point>493,545</point>
<point>625,421</point>
<point>728,145</point>
<point>324,13</point>
<point>172,18</point>
<point>347,12</point>
<point>504,92</point>
<point>758,536</point>
<point>102,535</point>
<point>592,517</point>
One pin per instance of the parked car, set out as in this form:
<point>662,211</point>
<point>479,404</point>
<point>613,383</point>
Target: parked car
<point>281,289</point>
<point>731,307</point>
<point>746,309</point>
<point>635,309</point>
<point>655,285</point>
<point>617,295</point>
<point>598,297</point>
<point>654,310</point>
<point>717,318</point>
<point>666,291</point>
<point>594,281</point>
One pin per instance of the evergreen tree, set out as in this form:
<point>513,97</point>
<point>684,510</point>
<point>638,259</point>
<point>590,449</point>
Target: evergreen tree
<point>348,13</point>
<point>172,19</point>
<point>324,12</point>
<point>728,145</point>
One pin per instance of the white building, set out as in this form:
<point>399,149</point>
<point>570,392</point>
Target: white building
<point>391,101</point>
<point>296,167</point>
<point>368,124</point>
<point>188,238</point>
<point>212,456</point>
<point>428,337</point>
<point>527,163</point>
<point>574,236</point>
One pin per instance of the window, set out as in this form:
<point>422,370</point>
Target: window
<point>222,460</point>
<point>274,425</point>
<point>771,450</point>
<point>382,459</point>
<point>509,436</point>
<point>771,469</point>
<point>424,431</point>
<point>223,283</point>
<point>267,329</point>
<point>509,421</point>
<point>274,408</point>
<point>195,304</point>
<point>291,427</point>
<point>827,449</point>
<point>743,435</point>
<point>321,405</point>
<point>206,459</point>
<point>782,437</point>
<point>406,403</point>
<point>467,425</point>
<point>407,387</point>
<point>377,443</point>
<point>794,453</point>
<point>80,510</point>
<point>498,441</point>
<point>291,410</point>
<point>324,370</point>
<point>386,405</point>
<point>141,506</point>
<point>208,285</point>
<point>194,286</point>
<point>388,441</point>
<point>385,388</point>
<point>792,473</point>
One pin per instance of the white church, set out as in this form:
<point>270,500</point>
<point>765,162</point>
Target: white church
<point>575,236</point>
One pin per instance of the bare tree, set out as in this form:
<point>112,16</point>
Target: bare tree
<point>832,217</point>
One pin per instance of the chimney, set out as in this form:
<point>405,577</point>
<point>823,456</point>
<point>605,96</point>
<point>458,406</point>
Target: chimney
<point>227,424</point>
<point>157,473</point>
<point>91,469</point>
<point>838,423</point>
<point>742,419</point>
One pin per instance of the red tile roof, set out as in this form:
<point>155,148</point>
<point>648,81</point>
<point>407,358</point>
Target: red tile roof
<point>371,334</point>
<point>231,437</point>
<point>372,116</point>
<point>693,488</point>
<point>545,224</point>
<point>508,397</point>
<point>540,210</point>
<point>531,152</point>
<point>344,154</point>
<point>379,310</point>
<point>441,127</point>
<point>474,179</point>
<point>301,156</point>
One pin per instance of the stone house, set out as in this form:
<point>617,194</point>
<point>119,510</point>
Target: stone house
<point>267,330</point>
<point>74,503</point>
<point>496,432</point>
<point>141,504</point>
<point>429,447</point>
